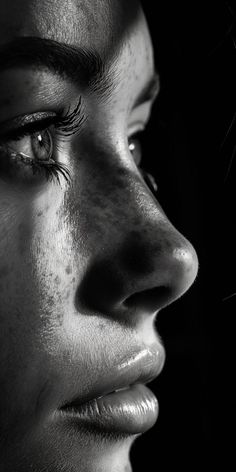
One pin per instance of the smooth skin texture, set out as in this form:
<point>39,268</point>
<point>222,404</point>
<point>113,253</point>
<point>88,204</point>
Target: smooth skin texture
<point>71,256</point>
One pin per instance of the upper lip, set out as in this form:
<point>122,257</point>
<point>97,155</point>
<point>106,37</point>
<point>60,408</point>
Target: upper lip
<point>140,366</point>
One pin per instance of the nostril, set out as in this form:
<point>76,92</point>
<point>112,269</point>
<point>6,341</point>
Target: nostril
<point>149,300</point>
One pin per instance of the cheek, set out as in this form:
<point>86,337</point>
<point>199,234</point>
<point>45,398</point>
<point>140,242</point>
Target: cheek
<point>36,286</point>
<point>35,254</point>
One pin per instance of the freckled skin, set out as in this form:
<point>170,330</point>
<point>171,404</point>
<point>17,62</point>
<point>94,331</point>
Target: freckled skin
<point>74,259</point>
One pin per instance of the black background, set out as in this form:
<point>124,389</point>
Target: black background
<point>189,154</point>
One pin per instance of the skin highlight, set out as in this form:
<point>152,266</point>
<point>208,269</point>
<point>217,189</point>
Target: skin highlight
<point>81,264</point>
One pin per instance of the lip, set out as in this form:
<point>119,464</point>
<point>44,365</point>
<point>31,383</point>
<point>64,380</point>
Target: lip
<point>132,410</point>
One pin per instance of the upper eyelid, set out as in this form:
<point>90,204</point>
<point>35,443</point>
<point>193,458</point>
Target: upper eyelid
<point>148,111</point>
<point>15,125</point>
<point>31,127</point>
<point>139,126</point>
<point>27,123</point>
<point>28,118</point>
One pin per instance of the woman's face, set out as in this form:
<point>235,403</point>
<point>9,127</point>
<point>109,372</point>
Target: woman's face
<point>86,265</point>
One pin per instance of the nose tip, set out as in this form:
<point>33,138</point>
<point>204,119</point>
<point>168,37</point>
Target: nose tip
<point>175,271</point>
<point>184,268</point>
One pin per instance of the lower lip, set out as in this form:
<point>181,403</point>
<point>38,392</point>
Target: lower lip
<point>129,411</point>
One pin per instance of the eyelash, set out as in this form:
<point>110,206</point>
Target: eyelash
<point>65,126</point>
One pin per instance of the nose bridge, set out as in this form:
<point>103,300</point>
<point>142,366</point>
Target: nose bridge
<point>120,195</point>
<point>132,218</point>
<point>119,198</point>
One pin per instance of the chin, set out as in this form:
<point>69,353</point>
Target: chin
<point>90,452</point>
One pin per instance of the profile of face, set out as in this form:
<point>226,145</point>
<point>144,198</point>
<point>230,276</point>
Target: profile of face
<point>87,256</point>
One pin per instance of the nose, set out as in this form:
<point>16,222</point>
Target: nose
<point>141,262</point>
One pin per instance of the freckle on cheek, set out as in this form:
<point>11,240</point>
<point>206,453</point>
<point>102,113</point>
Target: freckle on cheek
<point>57,280</point>
<point>68,269</point>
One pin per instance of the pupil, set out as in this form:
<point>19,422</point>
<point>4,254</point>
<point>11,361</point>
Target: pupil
<point>42,146</point>
<point>40,139</point>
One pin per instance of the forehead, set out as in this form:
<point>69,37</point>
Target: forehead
<point>101,24</point>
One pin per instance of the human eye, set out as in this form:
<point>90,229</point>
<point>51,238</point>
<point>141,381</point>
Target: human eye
<point>135,148</point>
<point>29,146</point>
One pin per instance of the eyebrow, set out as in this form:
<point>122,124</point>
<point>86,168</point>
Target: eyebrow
<point>83,67</point>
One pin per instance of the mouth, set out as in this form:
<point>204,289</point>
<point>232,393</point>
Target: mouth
<point>120,402</point>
